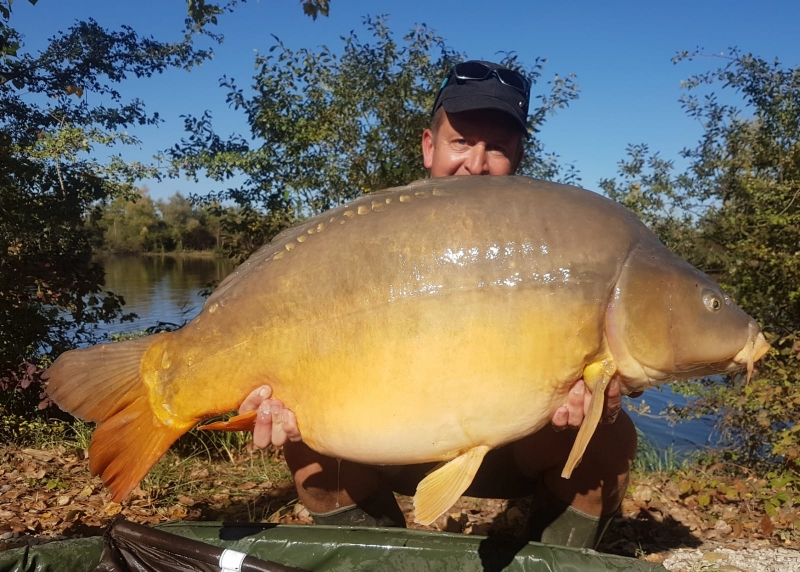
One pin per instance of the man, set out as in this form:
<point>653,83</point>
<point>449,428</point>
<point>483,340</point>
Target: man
<point>479,121</point>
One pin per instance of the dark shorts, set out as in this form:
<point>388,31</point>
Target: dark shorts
<point>498,477</point>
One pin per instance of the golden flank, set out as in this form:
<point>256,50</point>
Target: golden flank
<point>432,322</point>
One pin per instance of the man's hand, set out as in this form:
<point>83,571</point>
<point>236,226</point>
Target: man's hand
<point>274,423</point>
<point>571,414</point>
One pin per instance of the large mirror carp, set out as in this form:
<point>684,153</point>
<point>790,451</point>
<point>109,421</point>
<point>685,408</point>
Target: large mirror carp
<point>431,322</point>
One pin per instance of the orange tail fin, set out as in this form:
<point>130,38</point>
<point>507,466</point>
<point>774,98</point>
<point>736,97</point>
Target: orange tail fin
<point>102,384</point>
<point>243,422</point>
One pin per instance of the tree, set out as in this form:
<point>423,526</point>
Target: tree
<point>190,226</point>
<point>51,294</point>
<point>131,223</point>
<point>325,128</point>
<point>50,291</point>
<point>178,214</point>
<point>735,213</point>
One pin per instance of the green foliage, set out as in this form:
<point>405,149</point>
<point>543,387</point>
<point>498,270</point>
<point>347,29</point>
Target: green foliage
<point>58,109</point>
<point>326,127</point>
<point>128,222</point>
<point>135,223</point>
<point>315,8</point>
<point>735,213</point>
<point>30,431</point>
<point>202,14</point>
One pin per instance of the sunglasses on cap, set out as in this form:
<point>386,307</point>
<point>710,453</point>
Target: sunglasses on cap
<point>477,71</point>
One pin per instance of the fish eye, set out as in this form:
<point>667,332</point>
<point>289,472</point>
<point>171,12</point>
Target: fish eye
<point>711,301</point>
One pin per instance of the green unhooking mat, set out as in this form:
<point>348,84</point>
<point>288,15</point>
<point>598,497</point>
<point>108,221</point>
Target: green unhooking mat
<point>313,548</point>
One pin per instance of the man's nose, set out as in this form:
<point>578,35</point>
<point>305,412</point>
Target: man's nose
<point>476,163</point>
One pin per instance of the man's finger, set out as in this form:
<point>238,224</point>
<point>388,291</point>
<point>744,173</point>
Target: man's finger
<point>262,432</point>
<point>290,426</point>
<point>255,398</point>
<point>560,418</point>
<point>576,403</point>
<point>613,402</point>
<point>278,431</point>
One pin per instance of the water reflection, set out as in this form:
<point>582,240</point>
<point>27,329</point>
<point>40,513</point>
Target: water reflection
<point>684,437</point>
<point>161,288</point>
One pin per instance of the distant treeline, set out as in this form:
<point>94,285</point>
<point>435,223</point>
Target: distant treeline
<point>137,223</point>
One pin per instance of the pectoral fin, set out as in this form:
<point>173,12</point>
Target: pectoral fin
<point>243,422</point>
<point>597,376</point>
<point>441,488</point>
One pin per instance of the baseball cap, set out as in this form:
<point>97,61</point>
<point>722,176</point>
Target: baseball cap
<point>477,84</point>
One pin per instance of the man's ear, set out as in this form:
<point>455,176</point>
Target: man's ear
<point>427,148</point>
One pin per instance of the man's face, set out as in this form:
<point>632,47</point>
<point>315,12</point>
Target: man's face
<point>473,143</point>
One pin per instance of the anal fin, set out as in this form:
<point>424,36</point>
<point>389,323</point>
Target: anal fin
<point>441,488</point>
<point>243,422</point>
<point>596,375</point>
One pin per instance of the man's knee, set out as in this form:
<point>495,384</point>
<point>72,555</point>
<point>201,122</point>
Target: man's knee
<point>577,511</point>
<point>606,466</point>
<point>613,447</point>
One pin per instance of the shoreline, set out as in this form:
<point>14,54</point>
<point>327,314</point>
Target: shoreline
<point>191,254</point>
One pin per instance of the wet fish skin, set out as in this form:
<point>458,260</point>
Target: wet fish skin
<point>425,323</point>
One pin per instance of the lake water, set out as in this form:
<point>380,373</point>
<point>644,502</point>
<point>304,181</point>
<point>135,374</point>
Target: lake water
<point>161,288</point>
<point>167,289</point>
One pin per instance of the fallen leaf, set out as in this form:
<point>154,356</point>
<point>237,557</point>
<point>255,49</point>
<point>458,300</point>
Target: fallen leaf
<point>188,501</point>
<point>112,509</point>
<point>766,526</point>
<point>177,512</point>
<point>643,494</point>
<point>714,557</point>
<point>86,491</point>
<point>737,528</point>
<point>73,514</point>
<point>39,455</point>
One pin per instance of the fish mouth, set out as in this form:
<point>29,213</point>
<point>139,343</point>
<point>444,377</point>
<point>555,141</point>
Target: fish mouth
<point>753,350</point>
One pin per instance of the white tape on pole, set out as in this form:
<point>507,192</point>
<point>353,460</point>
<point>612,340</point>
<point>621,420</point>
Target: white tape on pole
<point>231,560</point>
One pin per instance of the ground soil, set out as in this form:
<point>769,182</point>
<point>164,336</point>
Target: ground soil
<point>49,494</point>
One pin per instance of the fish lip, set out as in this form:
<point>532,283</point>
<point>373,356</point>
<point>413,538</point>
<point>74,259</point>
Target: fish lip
<point>755,348</point>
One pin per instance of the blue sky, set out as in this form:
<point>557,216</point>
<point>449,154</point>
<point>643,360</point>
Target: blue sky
<point>619,51</point>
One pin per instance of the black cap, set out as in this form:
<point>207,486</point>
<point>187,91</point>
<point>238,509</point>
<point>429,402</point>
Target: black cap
<point>457,95</point>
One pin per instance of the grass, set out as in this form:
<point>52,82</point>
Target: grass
<point>182,471</point>
<point>214,444</point>
<point>36,432</point>
<point>231,445</point>
<point>78,435</point>
<point>652,459</point>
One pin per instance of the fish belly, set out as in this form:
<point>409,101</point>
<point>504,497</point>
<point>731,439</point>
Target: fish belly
<point>423,380</point>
